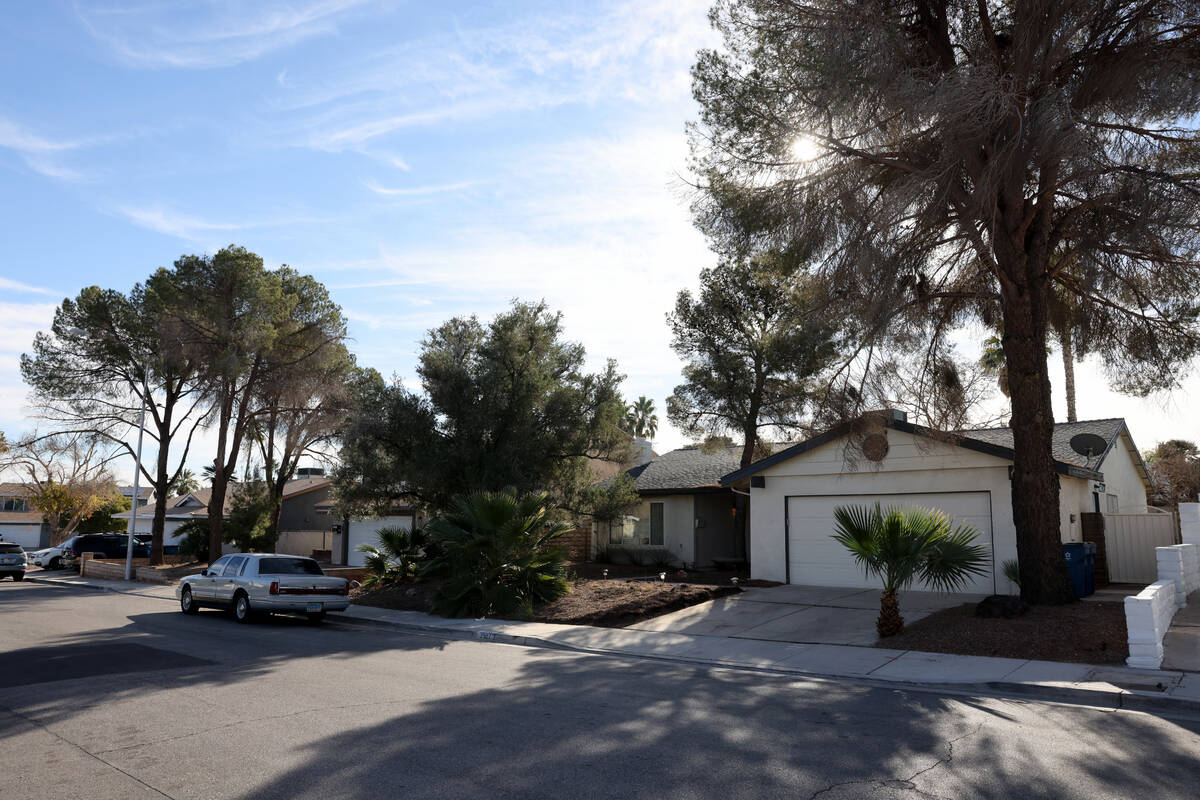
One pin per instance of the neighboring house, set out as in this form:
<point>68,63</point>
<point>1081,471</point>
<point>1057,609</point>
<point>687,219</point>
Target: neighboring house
<point>349,533</point>
<point>145,494</point>
<point>180,509</point>
<point>302,528</point>
<point>20,521</point>
<point>684,508</point>
<point>795,491</point>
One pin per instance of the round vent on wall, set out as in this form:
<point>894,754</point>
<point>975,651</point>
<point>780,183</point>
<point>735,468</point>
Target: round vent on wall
<point>875,447</point>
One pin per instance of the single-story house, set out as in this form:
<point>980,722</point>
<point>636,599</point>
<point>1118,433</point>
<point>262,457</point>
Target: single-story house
<point>20,521</point>
<point>348,533</point>
<point>966,474</point>
<point>684,508</point>
<point>302,529</point>
<point>145,494</point>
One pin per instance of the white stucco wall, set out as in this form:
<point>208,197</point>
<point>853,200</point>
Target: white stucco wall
<point>912,465</point>
<point>1122,479</point>
<point>678,525</point>
<point>1074,498</point>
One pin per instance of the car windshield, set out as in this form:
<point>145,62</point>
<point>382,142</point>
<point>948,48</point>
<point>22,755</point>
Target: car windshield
<point>289,566</point>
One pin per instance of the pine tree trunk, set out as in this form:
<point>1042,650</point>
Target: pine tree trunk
<point>1068,356</point>
<point>890,622</point>
<point>1035,490</point>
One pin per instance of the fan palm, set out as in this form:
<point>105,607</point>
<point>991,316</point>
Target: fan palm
<point>394,558</point>
<point>901,545</point>
<point>496,553</point>
<point>641,418</point>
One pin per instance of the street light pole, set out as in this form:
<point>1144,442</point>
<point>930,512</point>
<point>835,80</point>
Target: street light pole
<point>137,474</point>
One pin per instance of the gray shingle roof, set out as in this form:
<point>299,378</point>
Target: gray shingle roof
<point>686,468</point>
<point>1106,429</point>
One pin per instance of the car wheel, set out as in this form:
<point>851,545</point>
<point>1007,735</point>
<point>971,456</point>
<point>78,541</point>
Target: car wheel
<point>187,603</point>
<point>241,607</point>
<point>55,563</point>
<point>316,618</point>
<point>18,576</point>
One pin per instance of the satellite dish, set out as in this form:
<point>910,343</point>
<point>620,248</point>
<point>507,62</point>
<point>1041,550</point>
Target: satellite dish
<point>1088,444</point>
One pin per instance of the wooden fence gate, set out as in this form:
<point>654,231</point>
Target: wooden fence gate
<point>1130,540</point>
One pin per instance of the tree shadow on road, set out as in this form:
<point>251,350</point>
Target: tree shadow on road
<point>589,726</point>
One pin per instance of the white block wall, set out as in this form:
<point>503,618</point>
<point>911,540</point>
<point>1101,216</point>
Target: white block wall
<point>1189,522</point>
<point>1147,616</point>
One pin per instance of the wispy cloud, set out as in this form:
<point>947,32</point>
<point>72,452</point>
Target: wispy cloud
<point>199,34</point>
<point>635,52</point>
<point>194,228</point>
<point>17,286</point>
<point>410,191</point>
<point>40,153</point>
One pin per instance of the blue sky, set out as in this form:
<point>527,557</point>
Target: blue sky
<point>422,159</point>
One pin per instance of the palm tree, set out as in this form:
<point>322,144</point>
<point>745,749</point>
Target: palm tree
<point>497,555</point>
<point>640,417</point>
<point>395,558</point>
<point>185,483</point>
<point>900,545</point>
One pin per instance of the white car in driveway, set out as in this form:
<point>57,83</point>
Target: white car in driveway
<point>50,557</point>
<point>264,583</point>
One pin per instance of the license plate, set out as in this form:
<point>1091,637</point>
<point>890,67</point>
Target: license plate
<point>313,607</point>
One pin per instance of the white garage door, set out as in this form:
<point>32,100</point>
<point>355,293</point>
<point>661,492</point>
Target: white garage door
<point>817,560</point>
<point>28,536</point>
<point>365,531</point>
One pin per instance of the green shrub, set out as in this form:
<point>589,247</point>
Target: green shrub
<point>193,540</point>
<point>496,555</point>
<point>396,558</point>
<point>1012,571</point>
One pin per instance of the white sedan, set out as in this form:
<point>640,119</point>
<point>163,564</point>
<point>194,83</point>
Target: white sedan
<point>253,583</point>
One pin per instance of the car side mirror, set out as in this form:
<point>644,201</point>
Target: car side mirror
<point>204,573</point>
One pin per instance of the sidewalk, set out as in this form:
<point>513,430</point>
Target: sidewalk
<point>1108,687</point>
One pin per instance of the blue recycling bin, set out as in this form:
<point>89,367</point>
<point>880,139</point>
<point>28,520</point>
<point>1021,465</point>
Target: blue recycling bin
<point>1089,570</point>
<point>1076,557</point>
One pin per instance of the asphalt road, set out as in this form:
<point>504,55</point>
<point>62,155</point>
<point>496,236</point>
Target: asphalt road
<point>112,696</point>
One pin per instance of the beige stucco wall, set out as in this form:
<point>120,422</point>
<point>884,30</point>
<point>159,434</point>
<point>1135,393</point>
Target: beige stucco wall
<point>1122,479</point>
<point>1074,498</point>
<point>912,465</point>
<point>678,525</point>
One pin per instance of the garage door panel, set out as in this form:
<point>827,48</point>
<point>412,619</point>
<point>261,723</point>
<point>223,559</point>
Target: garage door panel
<point>817,560</point>
<point>366,531</point>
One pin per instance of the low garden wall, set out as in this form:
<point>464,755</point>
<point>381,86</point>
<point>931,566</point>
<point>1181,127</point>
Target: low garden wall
<point>111,569</point>
<point>1148,614</point>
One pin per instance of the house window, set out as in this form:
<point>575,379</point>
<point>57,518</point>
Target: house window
<point>1112,504</point>
<point>656,524</point>
<point>14,504</point>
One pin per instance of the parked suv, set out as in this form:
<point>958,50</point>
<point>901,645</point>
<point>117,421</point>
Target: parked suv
<point>12,561</point>
<point>109,545</point>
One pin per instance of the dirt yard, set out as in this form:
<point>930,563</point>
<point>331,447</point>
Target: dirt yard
<point>1086,633</point>
<point>612,603</point>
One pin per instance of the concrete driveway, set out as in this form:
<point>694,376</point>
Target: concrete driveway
<point>811,614</point>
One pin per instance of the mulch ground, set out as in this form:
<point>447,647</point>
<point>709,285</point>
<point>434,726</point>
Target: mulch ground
<point>705,577</point>
<point>611,603</point>
<point>1085,633</point>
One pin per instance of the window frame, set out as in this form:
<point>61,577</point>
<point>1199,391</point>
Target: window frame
<point>662,524</point>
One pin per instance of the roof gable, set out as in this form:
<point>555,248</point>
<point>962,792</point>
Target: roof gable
<point>990,441</point>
